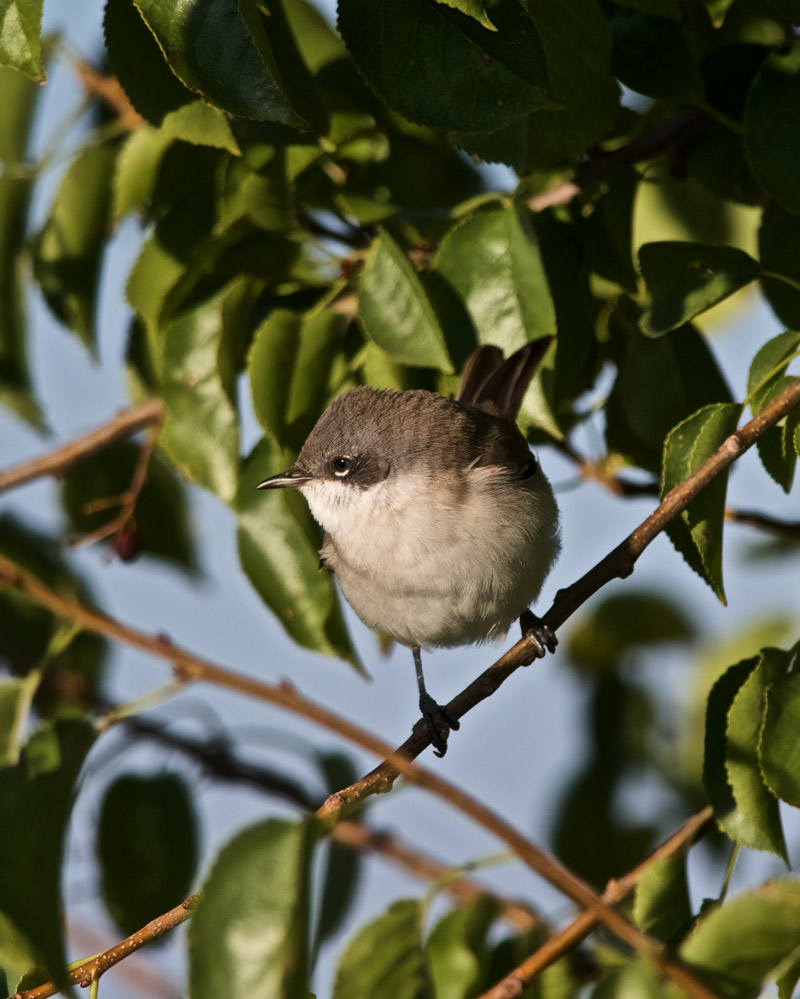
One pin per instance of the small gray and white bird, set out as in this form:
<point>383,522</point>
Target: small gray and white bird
<point>438,522</point>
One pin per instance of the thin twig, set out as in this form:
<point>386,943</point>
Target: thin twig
<point>91,971</point>
<point>55,463</point>
<point>108,89</point>
<point>516,981</point>
<point>788,528</point>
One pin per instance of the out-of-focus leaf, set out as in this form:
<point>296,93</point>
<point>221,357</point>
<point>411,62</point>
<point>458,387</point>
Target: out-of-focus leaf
<point>779,252</point>
<point>457,949</point>
<point>738,944</point>
<point>201,424</point>
<point>577,41</point>
<point>257,186</point>
<point>147,847</point>
<point>716,158</point>
<point>609,230</point>
<point>160,518</point>
<point>385,958</point>
<point>16,117</point>
<point>395,310</point>
<point>465,78</point>
<point>768,366</point>
<point>636,978</point>
<point>662,907</point>
<point>289,368</point>
<point>137,169</point>
<point>655,56</point>
<point>697,532</point>
<point>152,88</point>
<point>69,248</point>
<point>772,126</point>
<point>15,704</point>
<point>249,933</point>
<point>621,622</point>
<point>492,261</point>
<point>659,383</point>
<point>36,795</point>
<point>21,37</point>
<point>779,748</point>
<point>685,279</point>
<point>219,49</point>
<point>754,800</point>
<point>278,549</point>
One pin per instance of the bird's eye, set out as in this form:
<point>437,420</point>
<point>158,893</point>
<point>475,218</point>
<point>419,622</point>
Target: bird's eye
<point>342,465</point>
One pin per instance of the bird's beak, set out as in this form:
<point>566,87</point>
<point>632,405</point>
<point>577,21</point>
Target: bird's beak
<point>291,477</point>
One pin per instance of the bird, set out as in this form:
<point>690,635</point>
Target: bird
<point>438,522</point>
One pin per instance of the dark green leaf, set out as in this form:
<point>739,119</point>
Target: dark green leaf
<point>779,251</point>
<point>395,310</point>
<point>780,747</point>
<point>577,41</point>
<point>717,160</point>
<point>69,248</point>
<point>610,230</point>
<point>754,801</point>
<point>278,549</point>
<point>219,49</point>
<point>768,367</point>
<point>160,518</point>
<point>736,945</point>
<point>776,447</point>
<point>697,532</point>
<point>385,958</point>
<point>662,907</point>
<point>20,37</point>
<point>249,933</point>
<point>38,794</point>
<point>772,126</point>
<point>201,425</point>
<point>622,622</point>
<point>685,279</point>
<point>289,367</point>
<point>439,67</point>
<point>659,383</point>
<point>655,56</point>
<point>147,847</point>
<point>457,949</point>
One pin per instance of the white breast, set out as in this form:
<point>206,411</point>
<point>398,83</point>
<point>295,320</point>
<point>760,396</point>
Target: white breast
<point>432,564</point>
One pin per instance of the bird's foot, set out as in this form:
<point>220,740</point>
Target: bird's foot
<point>542,639</point>
<point>438,722</point>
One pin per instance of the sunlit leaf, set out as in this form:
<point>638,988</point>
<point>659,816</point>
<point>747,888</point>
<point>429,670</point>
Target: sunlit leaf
<point>20,37</point>
<point>457,949</point>
<point>662,907</point>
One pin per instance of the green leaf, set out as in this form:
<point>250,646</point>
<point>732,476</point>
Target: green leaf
<point>249,933</point>
<point>68,250</point>
<point>457,949</point>
<point>147,847</point>
<point>395,310</point>
<point>137,167</point>
<point>16,697</point>
<point>776,447</point>
<point>768,367</point>
<point>655,56</point>
<point>16,117</point>
<point>20,37</point>
<point>780,749</point>
<point>492,261</point>
<point>754,800</point>
<point>201,424</point>
<point>661,906</point>
<point>779,252</point>
<point>738,944</point>
<point>577,41</point>
<point>160,520</point>
<point>289,368</point>
<point>609,230</point>
<point>473,8</point>
<point>153,89</point>
<point>697,532</point>
<point>440,68</point>
<point>219,49</point>
<point>685,279</point>
<point>385,958</point>
<point>38,794</point>
<point>278,549</point>
<point>772,126</point>
<point>787,974</point>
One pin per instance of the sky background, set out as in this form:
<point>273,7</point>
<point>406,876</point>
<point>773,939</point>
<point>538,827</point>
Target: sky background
<point>513,752</point>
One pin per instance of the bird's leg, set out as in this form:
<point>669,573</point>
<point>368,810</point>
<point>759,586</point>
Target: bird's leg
<point>538,634</point>
<point>437,719</point>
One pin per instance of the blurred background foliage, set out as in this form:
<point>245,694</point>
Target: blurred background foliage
<point>315,205</point>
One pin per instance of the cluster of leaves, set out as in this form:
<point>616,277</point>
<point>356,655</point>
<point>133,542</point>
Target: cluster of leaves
<point>313,217</point>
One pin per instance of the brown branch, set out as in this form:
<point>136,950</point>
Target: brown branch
<point>108,89</point>
<point>671,134</point>
<point>516,981</point>
<point>55,463</point>
<point>192,667</point>
<point>90,971</point>
<point>788,528</point>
